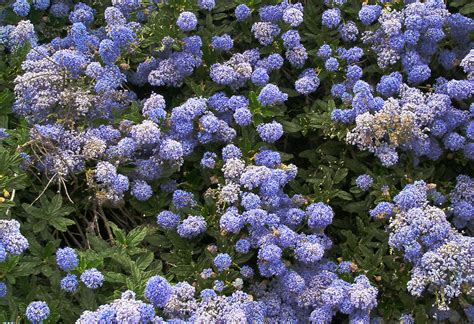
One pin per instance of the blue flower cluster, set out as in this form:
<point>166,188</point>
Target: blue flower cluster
<point>462,202</point>
<point>161,140</point>
<point>37,311</point>
<point>396,116</point>
<point>14,37</point>
<point>62,9</point>
<point>172,66</point>
<point>11,242</point>
<point>364,182</point>
<point>441,256</point>
<point>315,293</point>
<point>210,307</point>
<point>421,123</point>
<point>126,309</point>
<point>242,67</point>
<point>413,36</point>
<point>67,260</point>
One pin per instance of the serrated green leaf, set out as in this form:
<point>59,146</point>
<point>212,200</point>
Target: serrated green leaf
<point>137,235</point>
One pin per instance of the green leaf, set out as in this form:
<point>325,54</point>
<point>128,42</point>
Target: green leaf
<point>52,212</point>
<point>340,175</point>
<point>144,261</point>
<point>159,240</point>
<point>290,127</point>
<point>118,233</point>
<point>343,195</point>
<point>137,235</point>
<point>61,223</point>
<point>114,277</point>
<point>467,9</point>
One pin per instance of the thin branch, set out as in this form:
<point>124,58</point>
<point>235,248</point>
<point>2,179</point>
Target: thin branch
<point>106,223</point>
<point>44,190</point>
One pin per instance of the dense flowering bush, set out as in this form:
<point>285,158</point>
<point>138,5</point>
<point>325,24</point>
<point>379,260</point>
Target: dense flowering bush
<point>258,161</point>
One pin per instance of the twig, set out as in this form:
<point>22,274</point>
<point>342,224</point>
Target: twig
<point>44,190</point>
<point>61,180</point>
<point>11,199</point>
<point>106,223</point>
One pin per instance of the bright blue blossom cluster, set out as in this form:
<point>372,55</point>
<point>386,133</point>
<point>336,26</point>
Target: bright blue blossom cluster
<point>11,242</point>
<point>62,9</point>
<point>303,293</point>
<point>364,182</point>
<point>441,256</point>
<point>173,67</point>
<point>307,82</point>
<point>67,260</point>
<point>420,123</point>
<point>144,146</point>
<point>248,65</point>
<point>396,116</point>
<point>158,291</point>
<point>413,35</point>
<point>13,37</point>
<point>37,311</point>
<point>462,202</point>
<point>3,289</point>
<point>126,309</point>
<point>92,278</point>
